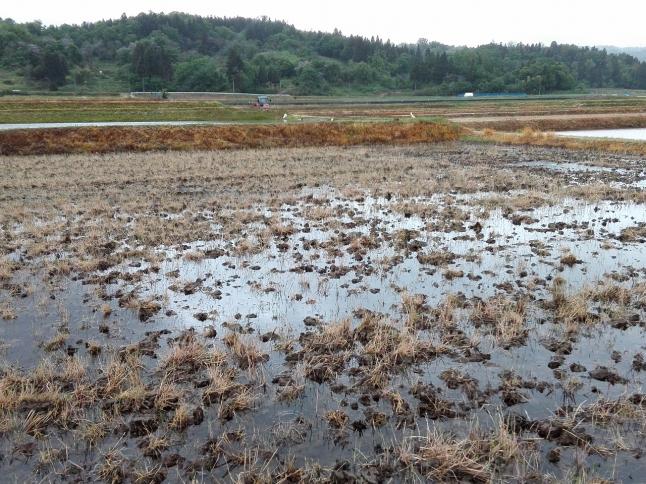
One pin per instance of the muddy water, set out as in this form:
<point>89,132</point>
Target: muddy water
<point>258,292</point>
<point>244,288</point>
<point>276,289</point>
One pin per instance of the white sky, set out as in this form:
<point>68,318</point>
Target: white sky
<point>467,22</point>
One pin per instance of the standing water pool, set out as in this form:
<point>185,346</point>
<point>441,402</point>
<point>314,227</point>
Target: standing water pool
<point>638,134</point>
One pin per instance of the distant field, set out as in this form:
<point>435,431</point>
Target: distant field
<point>452,107</point>
<point>549,113</point>
<point>55,110</point>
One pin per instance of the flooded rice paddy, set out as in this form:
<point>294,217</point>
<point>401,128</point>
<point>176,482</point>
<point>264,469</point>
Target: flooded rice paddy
<point>454,312</point>
<point>637,134</point>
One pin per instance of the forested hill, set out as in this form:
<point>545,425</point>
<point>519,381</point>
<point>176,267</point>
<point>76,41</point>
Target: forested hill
<point>190,53</point>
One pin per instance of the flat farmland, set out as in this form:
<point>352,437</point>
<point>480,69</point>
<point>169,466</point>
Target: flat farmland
<point>502,114</point>
<point>434,311</point>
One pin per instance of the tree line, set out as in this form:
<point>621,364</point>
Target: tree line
<point>191,53</point>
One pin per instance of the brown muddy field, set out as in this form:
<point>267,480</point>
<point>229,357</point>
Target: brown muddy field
<point>434,312</point>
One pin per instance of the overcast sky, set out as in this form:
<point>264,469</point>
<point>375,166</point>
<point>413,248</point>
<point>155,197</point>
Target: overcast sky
<point>468,22</point>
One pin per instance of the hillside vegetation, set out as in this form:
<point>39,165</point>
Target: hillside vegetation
<point>190,53</point>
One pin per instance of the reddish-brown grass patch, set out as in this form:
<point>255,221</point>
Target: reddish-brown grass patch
<point>117,139</point>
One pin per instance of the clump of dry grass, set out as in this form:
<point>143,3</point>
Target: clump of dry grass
<point>451,274</point>
<point>94,348</point>
<point>6,269</point>
<point>122,375</point>
<point>167,396</point>
<point>336,418</point>
<point>399,405</point>
<point>441,457</point>
<point>154,445</point>
<point>569,259</point>
<point>93,432</point>
<point>188,356</point>
<point>507,317</point>
<point>57,341</point>
<point>32,403</point>
<point>181,418</point>
<point>222,384</point>
<point>571,310</point>
<point>611,293</point>
<point>632,234</point>
<point>149,474</point>
<point>194,256</point>
<point>326,351</point>
<point>7,312</point>
<point>146,309</point>
<point>245,351</point>
<point>291,385</point>
<point>615,411</point>
<point>318,213</point>
<point>280,229</point>
<point>242,400</point>
<point>480,456</point>
<point>388,347</point>
<point>437,258</point>
<point>112,469</point>
<point>332,337</point>
<point>414,307</point>
<point>526,201</point>
<point>106,310</point>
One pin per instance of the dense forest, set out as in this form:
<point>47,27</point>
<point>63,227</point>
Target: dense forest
<point>183,52</point>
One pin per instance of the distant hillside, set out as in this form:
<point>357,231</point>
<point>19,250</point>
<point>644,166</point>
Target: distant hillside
<point>637,52</point>
<point>191,53</point>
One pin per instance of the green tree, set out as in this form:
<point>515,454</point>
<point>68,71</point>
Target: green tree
<point>310,81</point>
<point>51,67</point>
<point>152,59</point>
<point>199,74</point>
<point>235,68</point>
<point>260,53</point>
<point>640,82</point>
<point>82,76</point>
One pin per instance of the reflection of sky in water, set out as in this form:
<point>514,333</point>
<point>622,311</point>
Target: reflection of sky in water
<point>336,298</point>
<point>630,134</point>
<point>243,289</point>
<point>243,292</point>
